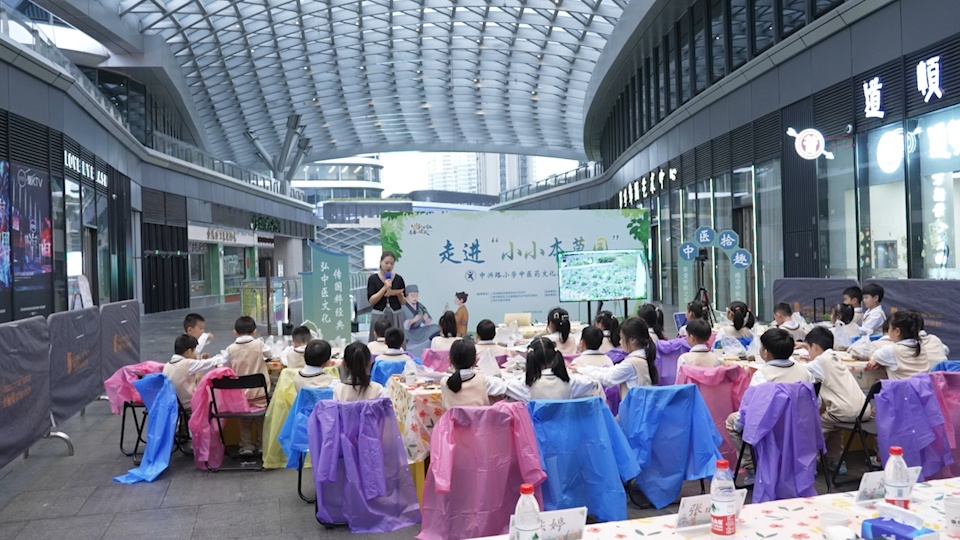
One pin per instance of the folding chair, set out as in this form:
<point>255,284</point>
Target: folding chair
<point>861,428</point>
<point>242,382</point>
<point>182,435</point>
<point>138,424</point>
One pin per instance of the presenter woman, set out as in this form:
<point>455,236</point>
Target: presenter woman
<point>385,291</point>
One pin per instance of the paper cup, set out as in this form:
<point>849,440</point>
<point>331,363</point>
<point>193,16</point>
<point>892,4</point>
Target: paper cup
<point>951,507</point>
<point>833,519</point>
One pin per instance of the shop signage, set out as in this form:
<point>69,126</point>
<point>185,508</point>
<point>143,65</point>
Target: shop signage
<point>890,148</point>
<point>944,139</point>
<point>73,162</point>
<point>872,97</point>
<point>644,187</point>
<point>196,233</point>
<point>928,78</point>
<point>102,178</point>
<point>221,235</point>
<point>809,143</point>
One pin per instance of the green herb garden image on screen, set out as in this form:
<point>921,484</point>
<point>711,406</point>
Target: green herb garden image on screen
<point>602,275</point>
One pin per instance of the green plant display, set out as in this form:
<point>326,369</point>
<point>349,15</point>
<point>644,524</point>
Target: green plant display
<point>589,276</point>
<point>265,223</point>
<point>391,230</point>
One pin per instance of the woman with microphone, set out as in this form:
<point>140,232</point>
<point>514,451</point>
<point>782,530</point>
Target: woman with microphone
<point>385,291</point>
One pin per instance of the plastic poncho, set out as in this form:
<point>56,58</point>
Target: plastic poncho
<point>722,389</point>
<point>293,437</point>
<point>119,386</point>
<point>479,457</point>
<point>205,431</point>
<point>437,360</point>
<point>283,396</point>
<point>949,365</point>
<point>616,355</point>
<point>782,422</point>
<point>160,397</point>
<point>908,415</point>
<point>672,436</point>
<point>384,369</point>
<point>585,455</point>
<point>360,468</point>
<point>668,352</point>
<point>946,386</point>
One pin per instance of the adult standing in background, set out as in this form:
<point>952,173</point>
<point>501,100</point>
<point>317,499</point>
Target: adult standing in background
<point>463,317</point>
<point>385,291</point>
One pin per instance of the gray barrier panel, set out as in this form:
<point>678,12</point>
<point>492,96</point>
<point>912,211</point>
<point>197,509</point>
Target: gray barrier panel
<point>806,291</point>
<point>74,361</point>
<point>119,336</point>
<point>935,299</point>
<point>24,386</point>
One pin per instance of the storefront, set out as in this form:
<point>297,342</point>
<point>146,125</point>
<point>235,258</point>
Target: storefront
<point>219,262</point>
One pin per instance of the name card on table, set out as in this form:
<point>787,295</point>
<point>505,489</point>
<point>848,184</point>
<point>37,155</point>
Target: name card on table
<point>694,513</point>
<point>871,486</point>
<point>565,524</point>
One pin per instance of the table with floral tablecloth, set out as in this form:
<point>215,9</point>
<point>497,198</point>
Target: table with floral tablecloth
<point>864,378</point>
<point>790,519</point>
<point>418,409</point>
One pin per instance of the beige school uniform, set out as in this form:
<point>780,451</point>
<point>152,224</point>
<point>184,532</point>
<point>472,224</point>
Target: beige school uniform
<point>730,331</point>
<point>699,355</point>
<point>793,328</point>
<point>473,392</point>
<point>182,373</point>
<point>349,392</point>
<point>394,354</point>
<point>484,346</point>
<point>246,358</point>
<point>294,358</point>
<point>592,358</point>
<point>907,363</point>
<point>842,400</point>
<point>305,379</point>
<point>569,348</point>
<point>934,349</point>
<point>377,347</point>
<point>607,345</point>
<point>857,316</point>
<point>441,343</point>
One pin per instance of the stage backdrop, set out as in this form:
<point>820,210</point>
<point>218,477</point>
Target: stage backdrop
<point>506,262</point>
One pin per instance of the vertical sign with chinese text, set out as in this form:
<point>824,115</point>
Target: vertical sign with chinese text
<point>326,300</point>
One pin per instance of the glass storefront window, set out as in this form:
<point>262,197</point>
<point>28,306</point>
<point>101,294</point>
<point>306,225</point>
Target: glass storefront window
<point>723,220</point>
<point>89,206</point>
<point>743,222</point>
<point>74,239</point>
<point>738,33</point>
<point>104,265</point>
<point>667,248</point>
<point>769,259</point>
<point>762,25</point>
<point>59,246</point>
<point>233,269</point>
<point>674,227</point>
<point>718,50</point>
<point>883,214</point>
<point>198,269</point>
<point>705,208</point>
<point>935,167</point>
<point>689,213</point>
<point>838,211</point>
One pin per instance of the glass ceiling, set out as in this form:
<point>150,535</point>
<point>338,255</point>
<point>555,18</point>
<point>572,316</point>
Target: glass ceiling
<point>383,75</point>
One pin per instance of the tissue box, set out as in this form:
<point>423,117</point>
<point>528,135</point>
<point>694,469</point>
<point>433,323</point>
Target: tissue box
<point>889,529</point>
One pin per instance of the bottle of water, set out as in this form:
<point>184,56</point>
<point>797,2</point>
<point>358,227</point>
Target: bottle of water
<point>723,503</point>
<point>896,479</point>
<point>526,518</point>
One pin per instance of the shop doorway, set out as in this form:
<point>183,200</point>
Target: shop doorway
<point>263,264</point>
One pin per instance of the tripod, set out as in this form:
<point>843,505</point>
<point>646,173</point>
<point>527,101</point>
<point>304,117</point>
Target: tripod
<point>703,296</point>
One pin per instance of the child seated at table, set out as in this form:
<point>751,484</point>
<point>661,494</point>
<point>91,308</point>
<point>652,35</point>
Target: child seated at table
<point>356,385</point>
<point>840,394</point>
<point>183,368</point>
<point>292,357</point>
<point>695,310</point>
<point>610,327</point>
<point>853,297</point>
<point>638,368</point>
<point>247,356</point>
<point>380,328</point>
<point>841,320</point>
<point>193,325</point>
<point>395,341</point>
<point>783,316</point>
<point>776,347</point>
<point>863,348</point>
<point>874,315</point>
<point>935,349</point>
<point>743,320</point>
<point>905,356</point>
<point>653,316</point>
<point>558,324</point>
<point>591,339</point>
<point>698,334</point>
<point>468,387</point>
<point>486,333</point>
<point>315,356</point>
<point>448,332</point>
<point>547,376</point>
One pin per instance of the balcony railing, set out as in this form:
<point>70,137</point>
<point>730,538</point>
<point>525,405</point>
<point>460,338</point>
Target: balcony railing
<point>582,172</point>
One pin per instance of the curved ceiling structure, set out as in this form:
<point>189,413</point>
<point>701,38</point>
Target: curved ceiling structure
<point>386,75</point>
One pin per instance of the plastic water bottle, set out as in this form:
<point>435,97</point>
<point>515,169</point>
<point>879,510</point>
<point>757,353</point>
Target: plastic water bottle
<point>526,518</point>
<point>896,479</point>
<point>723,503</point>
<point>410,372</point>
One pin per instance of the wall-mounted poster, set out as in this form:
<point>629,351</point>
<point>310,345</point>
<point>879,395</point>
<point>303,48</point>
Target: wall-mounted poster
<point>31,241</point>
<point>6,275</point>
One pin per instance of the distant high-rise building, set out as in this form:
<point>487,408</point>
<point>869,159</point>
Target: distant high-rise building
<point>486,174</point>
<point>502,172</point>
<point>453,172</point>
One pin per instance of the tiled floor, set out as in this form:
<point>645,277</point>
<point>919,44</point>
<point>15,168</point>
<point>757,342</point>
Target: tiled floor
<point>56,496</point>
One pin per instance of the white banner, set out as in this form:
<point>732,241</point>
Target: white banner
<point>506,262</point>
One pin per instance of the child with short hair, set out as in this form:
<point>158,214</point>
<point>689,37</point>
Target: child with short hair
<point>394,338</point>
<point>610,327</point>
<point>874,315</point>
<point>776,347</point>
<point>316,354</point>
<point>448,332</point>
<point>183,367</point>
<point>840,394</point>
<point>853,297</point>
<point>247,356</point>
<point>193,325</point>
<point>783,315</point>
<point>905,356</point>
<point>698,334</point>
<point>292,357</point>
<point>695,310</point>
<point>468,387</point>
<point>591,339</point>
<point>379,331</point>
<point>486,333</point>
<point>356,385</point>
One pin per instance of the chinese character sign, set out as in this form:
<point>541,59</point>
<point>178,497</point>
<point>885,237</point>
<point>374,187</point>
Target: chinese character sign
<point>740,260</point>
<point>506,262</point>
<point>872,97</point>
<point>326,294</point>
<point>928,78</point>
